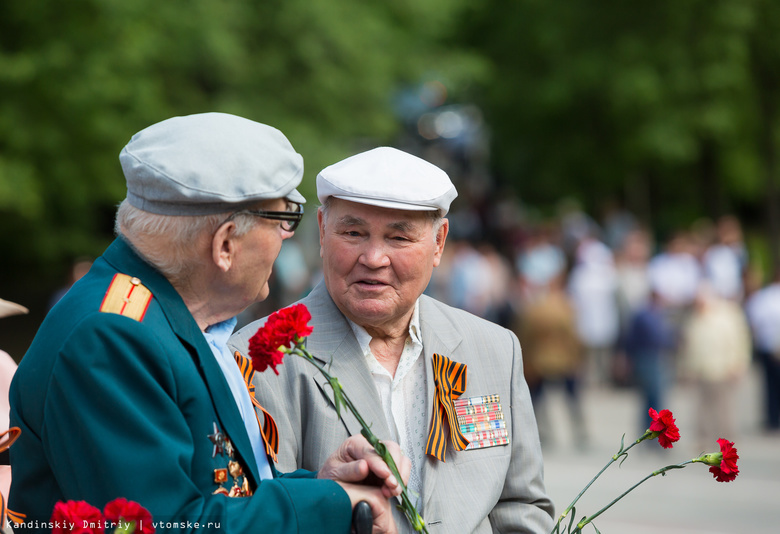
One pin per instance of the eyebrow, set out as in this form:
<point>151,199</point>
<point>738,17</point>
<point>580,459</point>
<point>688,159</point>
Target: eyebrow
<point>351,220</point>
<point>402,226</point>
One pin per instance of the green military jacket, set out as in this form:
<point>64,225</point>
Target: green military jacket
<point>130,402</point>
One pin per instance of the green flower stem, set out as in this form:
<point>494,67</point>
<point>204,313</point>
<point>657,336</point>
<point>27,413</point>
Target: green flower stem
<point>340,396</point>
<point>621,453</point>
<point>661,471</point>
<point>125,527</point>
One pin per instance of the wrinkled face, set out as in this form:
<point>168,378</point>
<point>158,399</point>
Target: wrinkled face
<point>378,261</point>
<point>260,247</point>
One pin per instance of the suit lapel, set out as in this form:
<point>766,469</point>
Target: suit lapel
<point>440,336</point>
<point>337,349</point>
<point>180,319</point>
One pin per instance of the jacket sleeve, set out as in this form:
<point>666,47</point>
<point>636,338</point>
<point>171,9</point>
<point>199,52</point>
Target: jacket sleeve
<point>524,506</point>
<point>117,422</point>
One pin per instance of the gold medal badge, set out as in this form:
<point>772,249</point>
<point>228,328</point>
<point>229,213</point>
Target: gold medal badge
<point>240,482</point>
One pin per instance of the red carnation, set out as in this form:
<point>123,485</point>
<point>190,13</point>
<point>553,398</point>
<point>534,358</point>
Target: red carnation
<point>293,322</point>
<point>124,511</point>
<point>727,470</point>
<point>264,350</point>
<point>283,328</point>
<point>664,427</point>
<point>78,517</point>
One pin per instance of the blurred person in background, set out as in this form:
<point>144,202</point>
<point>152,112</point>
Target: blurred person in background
<point>649,342</point>
<point>592,288</point>
<point>469,285</point>
<point>725,262</point>
<point>675,274</point>
<point>7,370</point>
<point>576,226</point>
<point>763,311</point>
<point>552,354</point>
<point>618,223</point>
<point>499,290</point>
<point>540,259</point>
<point>633,288</point>
<point>715,356</point>
<point>79,268</point>
<point>631,266</point>
<point>382,234</point>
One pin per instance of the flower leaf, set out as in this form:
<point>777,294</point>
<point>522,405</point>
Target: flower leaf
<point>338,394</point>
<point>571,517</point>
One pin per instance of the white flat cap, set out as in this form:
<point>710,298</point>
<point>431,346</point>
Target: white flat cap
<point>209,163</point>
<point>8,308</point>
<point>389,178</point>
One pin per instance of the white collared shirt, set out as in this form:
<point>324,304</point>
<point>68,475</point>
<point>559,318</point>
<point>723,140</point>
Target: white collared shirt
<point>217,337</point>
<point>403,399</point>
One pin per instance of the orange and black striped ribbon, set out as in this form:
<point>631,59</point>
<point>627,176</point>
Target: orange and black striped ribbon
<point>7,439</point>
<point>450,379</point>
<point>268,428</point>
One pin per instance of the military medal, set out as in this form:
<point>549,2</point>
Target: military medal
<point>220,476</point>
<point>481,419</point>
<point>234,469</point>
<point>218,440</point>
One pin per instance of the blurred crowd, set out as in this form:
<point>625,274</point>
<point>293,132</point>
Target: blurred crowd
<point>605,304</point>
<point>608,304</point>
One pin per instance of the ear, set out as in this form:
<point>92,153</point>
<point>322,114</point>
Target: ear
<point>223,246</point>
<point>321,225</point>
<point>441,238</point>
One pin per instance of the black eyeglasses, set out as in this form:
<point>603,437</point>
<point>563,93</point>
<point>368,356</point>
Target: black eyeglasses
<point>290,219</point>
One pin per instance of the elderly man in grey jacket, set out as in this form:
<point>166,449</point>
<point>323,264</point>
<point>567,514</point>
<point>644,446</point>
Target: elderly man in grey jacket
<point>396,352</point>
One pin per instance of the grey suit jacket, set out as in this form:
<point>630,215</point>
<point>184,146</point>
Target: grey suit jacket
<point>495,489</point>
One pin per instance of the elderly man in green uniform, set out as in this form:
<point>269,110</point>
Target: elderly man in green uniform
<point>129,390</point>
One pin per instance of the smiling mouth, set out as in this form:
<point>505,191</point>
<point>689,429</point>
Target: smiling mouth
<point>373,283</point>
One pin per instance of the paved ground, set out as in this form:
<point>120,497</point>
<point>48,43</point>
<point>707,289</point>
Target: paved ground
<point>686,501</point>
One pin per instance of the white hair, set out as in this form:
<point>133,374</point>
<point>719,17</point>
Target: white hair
<point>167,242</point>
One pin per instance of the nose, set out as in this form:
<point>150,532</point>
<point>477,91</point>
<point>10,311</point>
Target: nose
<point>374,255</point>
<point>286,234</point>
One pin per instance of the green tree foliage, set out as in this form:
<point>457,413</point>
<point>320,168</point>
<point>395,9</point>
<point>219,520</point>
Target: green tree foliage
<point>77,79</point>
<point>671,105</point>
<point>656,102</point>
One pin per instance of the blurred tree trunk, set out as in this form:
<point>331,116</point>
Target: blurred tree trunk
<point>710,183</point>
<point>638,197</point>
<point>770,172</point>
<point>764,62</point>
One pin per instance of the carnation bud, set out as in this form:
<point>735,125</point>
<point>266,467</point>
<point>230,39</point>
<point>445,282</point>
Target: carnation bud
<point>417,522</point>
<point>713,458</point>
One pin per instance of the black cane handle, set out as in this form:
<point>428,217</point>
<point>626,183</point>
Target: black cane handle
<point>362,518</point>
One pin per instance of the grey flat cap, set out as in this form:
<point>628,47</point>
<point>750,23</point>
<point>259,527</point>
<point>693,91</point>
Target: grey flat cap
<point>389,178</point>
<point>209,163</point>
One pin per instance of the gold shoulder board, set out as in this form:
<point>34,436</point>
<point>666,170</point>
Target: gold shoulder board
<point>126,296</point>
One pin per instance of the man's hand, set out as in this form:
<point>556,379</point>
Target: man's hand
<point>380,506</point>
<point>355,461</point>
<point>365,476</point>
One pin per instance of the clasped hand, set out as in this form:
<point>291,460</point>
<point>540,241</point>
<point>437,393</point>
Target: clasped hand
<point>364,475</point>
